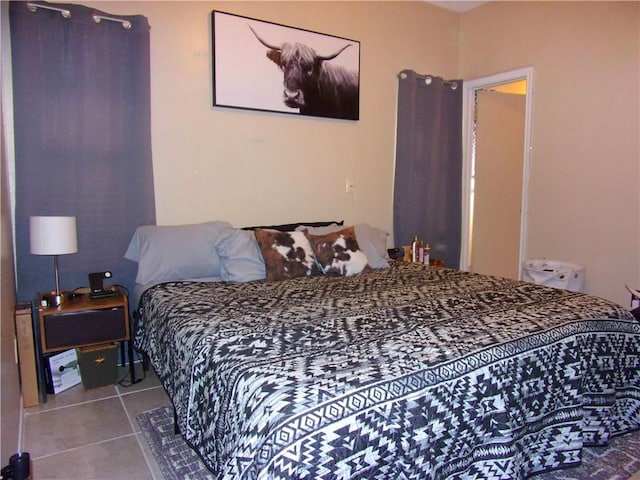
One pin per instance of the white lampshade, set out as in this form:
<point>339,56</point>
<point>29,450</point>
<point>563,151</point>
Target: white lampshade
<point>53,235</point>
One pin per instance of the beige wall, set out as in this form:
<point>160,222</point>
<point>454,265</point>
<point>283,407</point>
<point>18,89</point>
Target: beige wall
<point>251,167</point>
<point>585,163</point>
<point>495,243</point>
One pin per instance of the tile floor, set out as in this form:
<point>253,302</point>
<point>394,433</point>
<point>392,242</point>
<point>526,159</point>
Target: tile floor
<point>93,434</point>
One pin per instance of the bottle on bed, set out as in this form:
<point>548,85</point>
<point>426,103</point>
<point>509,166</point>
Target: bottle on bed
<point>415,247</point>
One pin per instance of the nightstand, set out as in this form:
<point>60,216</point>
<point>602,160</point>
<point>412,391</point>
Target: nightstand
<point>80,322</point>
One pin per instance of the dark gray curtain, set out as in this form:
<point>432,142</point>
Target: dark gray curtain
<point>82,138</point>
<point>428,176</point>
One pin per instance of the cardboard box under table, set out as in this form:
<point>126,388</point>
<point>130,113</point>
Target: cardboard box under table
<point>98,365</point>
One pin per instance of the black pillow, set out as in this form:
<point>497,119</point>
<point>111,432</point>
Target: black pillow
<point>290,227</point>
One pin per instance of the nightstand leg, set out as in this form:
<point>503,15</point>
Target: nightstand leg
<point>40,366</point>
<point>132,367</point>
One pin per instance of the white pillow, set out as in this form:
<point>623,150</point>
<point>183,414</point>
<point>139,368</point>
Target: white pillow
<point>176,252</point>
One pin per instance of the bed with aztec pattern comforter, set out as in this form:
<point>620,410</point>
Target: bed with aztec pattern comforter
<point>406,372</point>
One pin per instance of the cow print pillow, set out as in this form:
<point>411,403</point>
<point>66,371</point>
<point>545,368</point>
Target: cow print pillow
<point>286,254</point>
<point>338,253</point>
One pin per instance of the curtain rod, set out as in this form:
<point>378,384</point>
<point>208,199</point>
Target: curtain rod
<point>125,23</point>
<point>67,14</point>
<point>453,84</point>
<point>35,6</point>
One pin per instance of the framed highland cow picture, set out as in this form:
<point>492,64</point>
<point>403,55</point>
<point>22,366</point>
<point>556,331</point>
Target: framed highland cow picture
<point>259,65</point>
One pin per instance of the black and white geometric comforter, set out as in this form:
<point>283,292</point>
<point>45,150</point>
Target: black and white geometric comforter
<point>404,373</point>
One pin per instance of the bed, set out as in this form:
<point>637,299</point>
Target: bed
<point>397,371</point>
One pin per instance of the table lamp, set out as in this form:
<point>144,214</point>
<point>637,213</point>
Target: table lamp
<point>53,236</point>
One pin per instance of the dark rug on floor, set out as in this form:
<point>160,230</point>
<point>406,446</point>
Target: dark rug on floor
<point>177,461</point>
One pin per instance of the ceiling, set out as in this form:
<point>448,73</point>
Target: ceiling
<point>457,6</point>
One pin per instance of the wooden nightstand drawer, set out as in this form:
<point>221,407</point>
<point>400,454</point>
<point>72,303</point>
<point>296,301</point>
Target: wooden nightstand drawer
<point>84,327</point>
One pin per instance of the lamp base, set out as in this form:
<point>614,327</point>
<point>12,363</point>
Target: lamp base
<point>55,299</point>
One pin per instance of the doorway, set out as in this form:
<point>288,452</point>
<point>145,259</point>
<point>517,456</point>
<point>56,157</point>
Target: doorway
<point>495,173</point>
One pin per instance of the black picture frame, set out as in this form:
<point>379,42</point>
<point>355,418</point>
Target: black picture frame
<point>244,77</point>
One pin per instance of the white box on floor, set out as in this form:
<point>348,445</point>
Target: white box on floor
<point>63,371</point>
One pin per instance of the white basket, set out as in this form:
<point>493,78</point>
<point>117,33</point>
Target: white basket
<point>554,274</point>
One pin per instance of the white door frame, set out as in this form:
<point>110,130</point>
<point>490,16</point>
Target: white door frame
<point>468,107</point>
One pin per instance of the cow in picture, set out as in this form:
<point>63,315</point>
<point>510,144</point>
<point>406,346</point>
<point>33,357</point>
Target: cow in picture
<point>313,85</point>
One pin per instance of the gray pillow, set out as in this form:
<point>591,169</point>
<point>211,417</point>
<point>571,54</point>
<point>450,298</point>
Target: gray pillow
<point>176,252</point>
<point>241,260</point>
